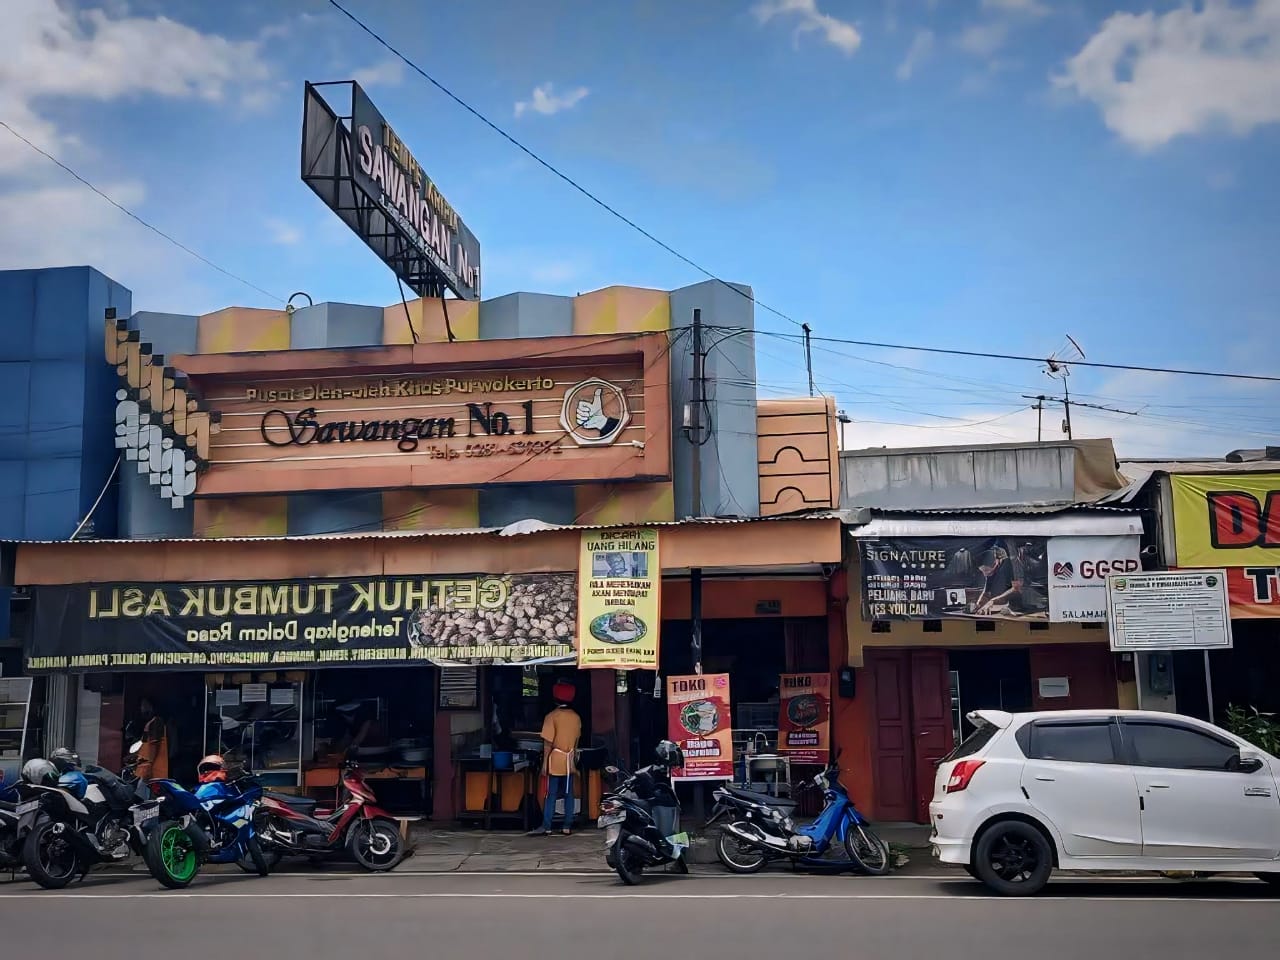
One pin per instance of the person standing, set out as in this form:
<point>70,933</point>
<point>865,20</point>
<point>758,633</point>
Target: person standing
<point>561,731</point>
<point>153,758</point>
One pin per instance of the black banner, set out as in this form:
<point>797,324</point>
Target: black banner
<point>948,577</point>
<point>455,621</point>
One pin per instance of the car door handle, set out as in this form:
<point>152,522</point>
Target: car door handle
<point>1047,779</point>
<point>1157,786</point>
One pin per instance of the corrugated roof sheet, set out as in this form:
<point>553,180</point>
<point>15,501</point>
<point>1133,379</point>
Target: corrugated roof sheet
<point>519,528</point>
<point>1013,510</point>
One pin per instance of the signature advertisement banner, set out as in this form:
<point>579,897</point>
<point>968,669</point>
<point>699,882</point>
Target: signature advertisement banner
<point>619,594</point>
<point>456,621</point>
<point>698,720</point>
<point>1062,579</point>
<point>804,717</point>
<point>1231,520</point>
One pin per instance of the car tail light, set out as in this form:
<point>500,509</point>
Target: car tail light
<point>961,774</point>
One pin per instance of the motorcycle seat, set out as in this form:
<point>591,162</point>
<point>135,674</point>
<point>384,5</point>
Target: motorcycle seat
<point>750,796</point>
<point>304,805</point>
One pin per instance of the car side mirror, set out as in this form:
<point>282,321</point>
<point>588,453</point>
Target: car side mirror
<point>1249,764</point>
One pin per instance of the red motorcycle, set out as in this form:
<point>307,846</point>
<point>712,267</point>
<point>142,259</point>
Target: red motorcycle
<point>287,827</point>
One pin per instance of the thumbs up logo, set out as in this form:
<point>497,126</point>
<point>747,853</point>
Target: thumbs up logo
<point>595,412</point>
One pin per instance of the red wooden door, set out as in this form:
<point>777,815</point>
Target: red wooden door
<point>930,722</point>
<point>1089,670</point>
<point>892,753</point>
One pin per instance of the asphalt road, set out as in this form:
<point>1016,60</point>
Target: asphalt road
<point>338,914</point>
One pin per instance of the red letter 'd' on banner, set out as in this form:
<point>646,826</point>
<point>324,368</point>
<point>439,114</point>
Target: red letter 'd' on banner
<point>1235,519</point>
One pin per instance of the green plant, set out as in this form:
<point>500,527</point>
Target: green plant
<point>1260,729</point>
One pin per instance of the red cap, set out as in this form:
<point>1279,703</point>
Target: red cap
<point>563,691</point>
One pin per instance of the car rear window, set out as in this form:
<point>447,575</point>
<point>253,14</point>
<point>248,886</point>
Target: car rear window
<point>973,743</point>
<point>1072,742</point>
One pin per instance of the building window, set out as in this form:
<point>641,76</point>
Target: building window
<point>933,626</point>
<point>880,626</point>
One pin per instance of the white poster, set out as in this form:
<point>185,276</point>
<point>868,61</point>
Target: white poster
<point>1171,610</point>
<point>1078,571</point>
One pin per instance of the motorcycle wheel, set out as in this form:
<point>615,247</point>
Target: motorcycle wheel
<point>171,855</point>
<point>630,869</point>
<point>257,856</point>
<point>271,857</point>
<point>375,844</point>
<point>738,857</point>
<point>50,860</point>
<point>870,854</point>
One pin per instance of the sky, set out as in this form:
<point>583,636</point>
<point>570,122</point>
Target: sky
<point>985,175</point>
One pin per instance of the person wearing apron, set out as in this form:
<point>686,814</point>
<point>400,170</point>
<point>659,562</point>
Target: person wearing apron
<point>561,731</point>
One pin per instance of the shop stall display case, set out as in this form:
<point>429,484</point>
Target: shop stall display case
<point>258,722</point>
<point>15,708</point>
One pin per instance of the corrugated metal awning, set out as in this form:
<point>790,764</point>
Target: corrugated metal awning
<point>1067,524</point>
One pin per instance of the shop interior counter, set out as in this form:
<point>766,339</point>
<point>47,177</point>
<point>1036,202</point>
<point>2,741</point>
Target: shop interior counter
<point>322,780</point>
<point>498,789</point>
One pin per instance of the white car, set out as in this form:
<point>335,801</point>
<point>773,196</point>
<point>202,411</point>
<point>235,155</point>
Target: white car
<point>1103,790</point>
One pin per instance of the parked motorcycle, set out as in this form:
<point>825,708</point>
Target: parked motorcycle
<point>641,819</point>
<point>19,808</point>
<point>761,828</point>
<point>85,819</point>
<point>287,827</point>
<point>213,824</point>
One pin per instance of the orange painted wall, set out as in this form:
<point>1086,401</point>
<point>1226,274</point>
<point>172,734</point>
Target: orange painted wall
<point>430,510</point>
<point>428,315</point>
<point>797,455</point>
<point>241,517</point>
<point>610,503</point>
<point>737,599</point>
<point>621,310</point>
<point>242,329</point>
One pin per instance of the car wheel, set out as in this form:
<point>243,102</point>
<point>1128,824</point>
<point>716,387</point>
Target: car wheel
<point>1013,858</point>
<point>972,871</point>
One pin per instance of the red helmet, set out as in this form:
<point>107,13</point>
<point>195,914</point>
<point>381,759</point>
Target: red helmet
<point>212,768</point>
<point>563,691</point>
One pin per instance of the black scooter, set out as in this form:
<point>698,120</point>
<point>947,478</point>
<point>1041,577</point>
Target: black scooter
<point>641,821</point>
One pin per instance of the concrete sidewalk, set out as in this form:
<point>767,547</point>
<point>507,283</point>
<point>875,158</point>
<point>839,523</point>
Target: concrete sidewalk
<point>478,851</point>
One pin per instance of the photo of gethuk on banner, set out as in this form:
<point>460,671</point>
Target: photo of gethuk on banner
<point>619,585</point>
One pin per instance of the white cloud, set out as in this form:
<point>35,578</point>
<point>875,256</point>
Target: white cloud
<point>54,52</point>
<point>1188,71</point>
<point>841,34</point>
<point>546,101</point>
<point>920,50</point>
<point>983,39</point>
<point>282,232</point>
<point>384,73</point>
<point>1031,8</point>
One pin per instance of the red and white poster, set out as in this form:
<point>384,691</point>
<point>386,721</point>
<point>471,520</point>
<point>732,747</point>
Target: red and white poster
<point>804,717</point>
<point>698,719</point>
<point>1254,592</point>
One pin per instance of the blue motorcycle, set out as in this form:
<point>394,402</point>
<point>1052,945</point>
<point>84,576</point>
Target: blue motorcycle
<point>761,828</point>
<point>212,825</point>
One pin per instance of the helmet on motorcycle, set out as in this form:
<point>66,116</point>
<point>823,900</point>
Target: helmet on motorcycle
<point>669,755</point>
<point>211,769</point>
<point>75,783</point>
<point>65,759</point>
<point>41,773</point>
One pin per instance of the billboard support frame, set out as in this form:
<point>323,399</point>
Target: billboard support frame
<point>336,185</point>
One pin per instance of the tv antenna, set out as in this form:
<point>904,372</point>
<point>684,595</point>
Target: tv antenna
<point>1058,366</point>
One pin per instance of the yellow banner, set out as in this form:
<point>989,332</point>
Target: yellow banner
<point>1229,520</point>
<point>619,586</point>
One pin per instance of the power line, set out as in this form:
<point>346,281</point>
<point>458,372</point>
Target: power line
<point>986,355</point>
<point>552,168</point>
<point>129,213</point>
